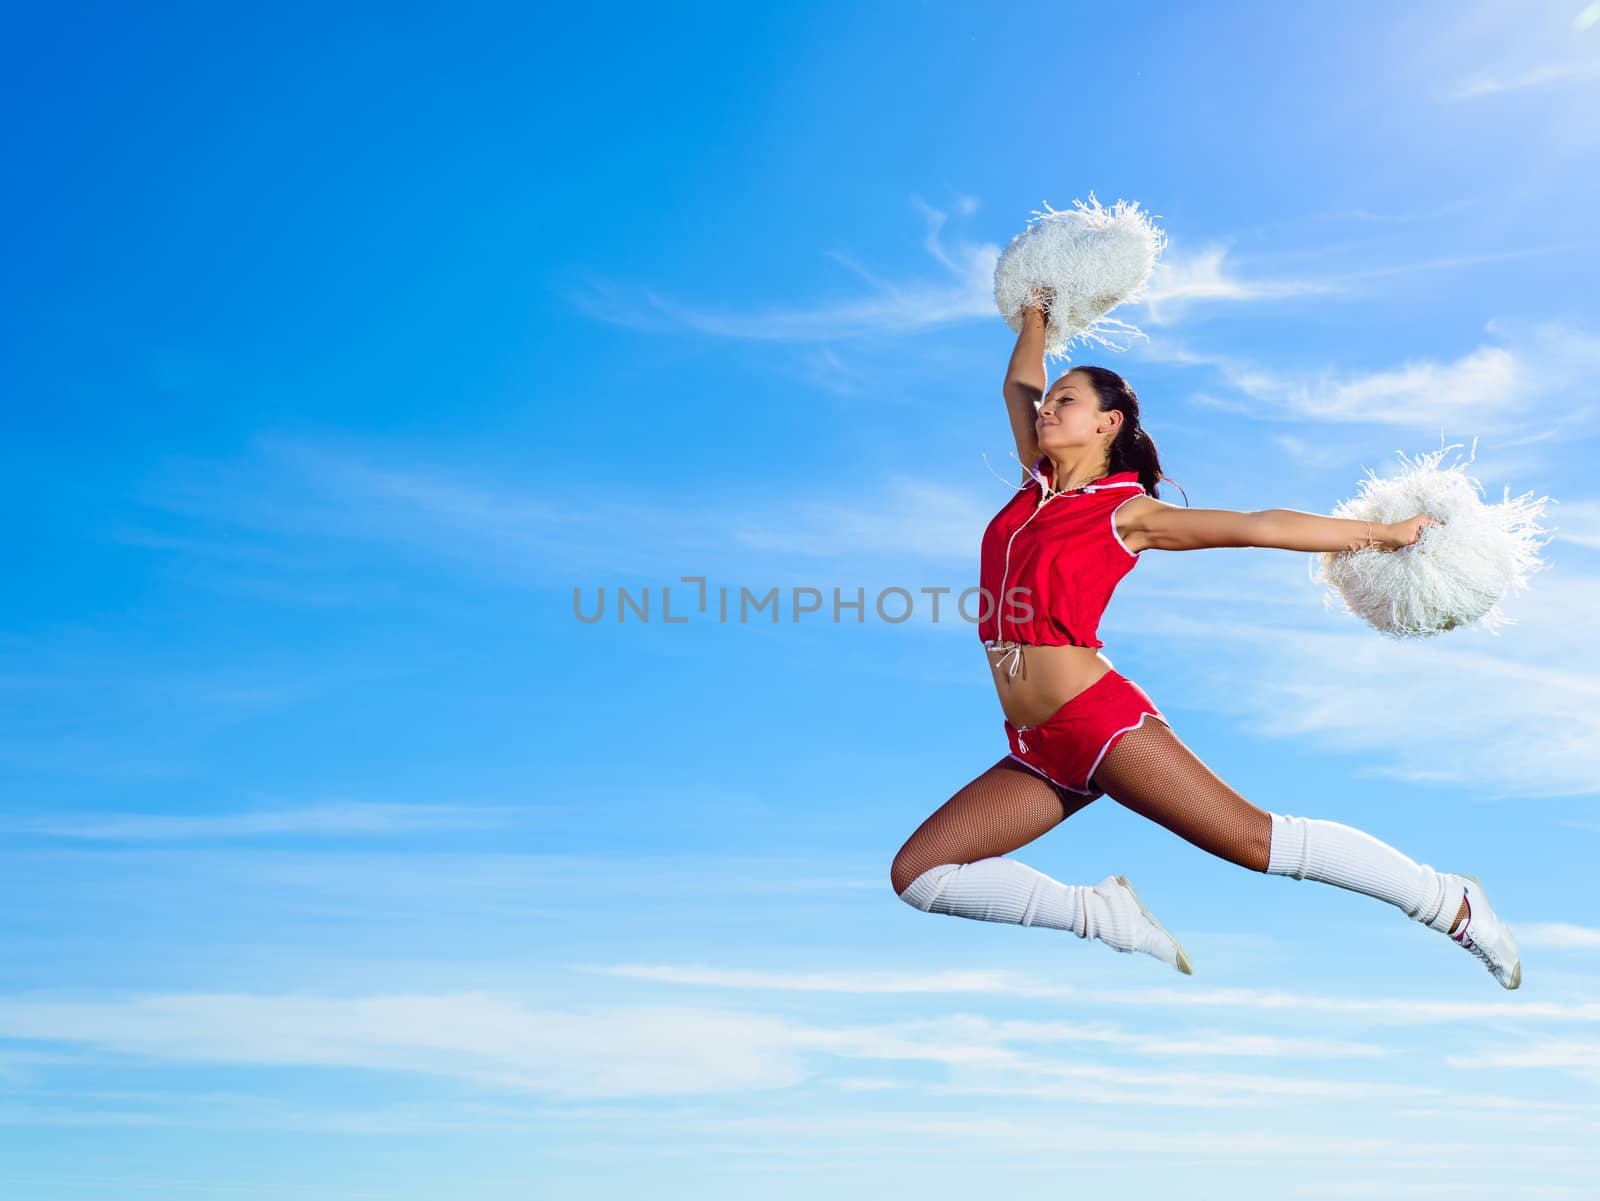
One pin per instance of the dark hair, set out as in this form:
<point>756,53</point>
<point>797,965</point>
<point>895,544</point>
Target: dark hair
<point>1133,449</point>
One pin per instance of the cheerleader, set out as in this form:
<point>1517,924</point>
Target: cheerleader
<point>1076,729</point>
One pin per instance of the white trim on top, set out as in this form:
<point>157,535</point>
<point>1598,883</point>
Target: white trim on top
<point>1132,553</point>
<point>1120,733</point>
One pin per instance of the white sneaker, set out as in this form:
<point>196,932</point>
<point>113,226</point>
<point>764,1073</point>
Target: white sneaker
<point>1148,935</point>
<point>1486,936</point>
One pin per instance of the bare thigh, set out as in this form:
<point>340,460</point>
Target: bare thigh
<point>1006,807</point>
<point>1152,772</point>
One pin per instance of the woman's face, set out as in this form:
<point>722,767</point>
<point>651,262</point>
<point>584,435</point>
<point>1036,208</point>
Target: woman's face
<point>1070,416</point>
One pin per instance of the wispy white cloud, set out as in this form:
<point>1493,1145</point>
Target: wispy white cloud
<point>344,818</point>
<point>1382,1010</point>
<point>1576,1057</point>
<point>1546,368</point>
<point>1544,75</point>
<point>1182,278</point>
<point>1578,522</point>
<point>1452,1186</point>
<point>1558,935</point>
<point>639,1050</point>
<point>1347,281</point>
<point>659,1050</point>
<point>964,292</point>
<point>1182,282</point>
<point>1481,50</point>
<point>1014,1134</point>
<point>933,1038</point>
<point>983,981</point>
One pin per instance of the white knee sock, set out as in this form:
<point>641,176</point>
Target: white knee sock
<point>1004,890</point>
<point>1309,848</point>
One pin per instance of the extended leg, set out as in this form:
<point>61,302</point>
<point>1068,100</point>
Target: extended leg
<point>1152,772</point>
<point>954,864</point>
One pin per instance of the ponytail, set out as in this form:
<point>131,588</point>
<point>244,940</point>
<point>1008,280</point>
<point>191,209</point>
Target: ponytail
<point>1133,449</point>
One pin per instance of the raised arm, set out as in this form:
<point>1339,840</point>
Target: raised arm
<point>1147,523</point>
<point>1025,385</point>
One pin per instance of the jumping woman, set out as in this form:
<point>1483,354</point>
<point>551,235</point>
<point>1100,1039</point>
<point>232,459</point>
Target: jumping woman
<point>1079,730</point>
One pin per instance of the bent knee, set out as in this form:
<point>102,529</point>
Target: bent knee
<point>906,870</point>
<point>902,872</point>
<point>919,885</point>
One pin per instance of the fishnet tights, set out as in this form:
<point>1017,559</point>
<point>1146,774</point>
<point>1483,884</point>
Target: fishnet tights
<point>1150,771</point>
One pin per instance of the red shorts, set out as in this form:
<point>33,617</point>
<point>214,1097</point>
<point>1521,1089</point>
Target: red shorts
<point>1067,746</point>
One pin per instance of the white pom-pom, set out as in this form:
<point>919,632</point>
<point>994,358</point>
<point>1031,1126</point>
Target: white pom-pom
<point>1093,260</point>
<point>1456,573</point>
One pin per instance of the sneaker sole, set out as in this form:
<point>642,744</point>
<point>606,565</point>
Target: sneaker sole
<point>1184,965</point>
<point>1516,972</point>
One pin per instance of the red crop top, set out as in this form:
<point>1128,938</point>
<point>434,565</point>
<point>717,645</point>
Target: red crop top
<point>1049,563</point>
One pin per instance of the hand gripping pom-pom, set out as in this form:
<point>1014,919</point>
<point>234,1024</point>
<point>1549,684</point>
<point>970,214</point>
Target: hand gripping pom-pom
<point>1091,259</point>
<point>1456,573</point>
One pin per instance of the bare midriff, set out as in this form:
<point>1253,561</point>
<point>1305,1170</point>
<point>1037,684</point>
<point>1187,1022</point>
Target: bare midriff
<point>1046,678</point>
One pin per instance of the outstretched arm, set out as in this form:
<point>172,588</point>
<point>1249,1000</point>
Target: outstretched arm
<point>1145,522</point>
<point>1290,529</point>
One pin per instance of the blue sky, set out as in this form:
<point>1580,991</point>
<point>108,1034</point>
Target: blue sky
<point>342,861</point>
